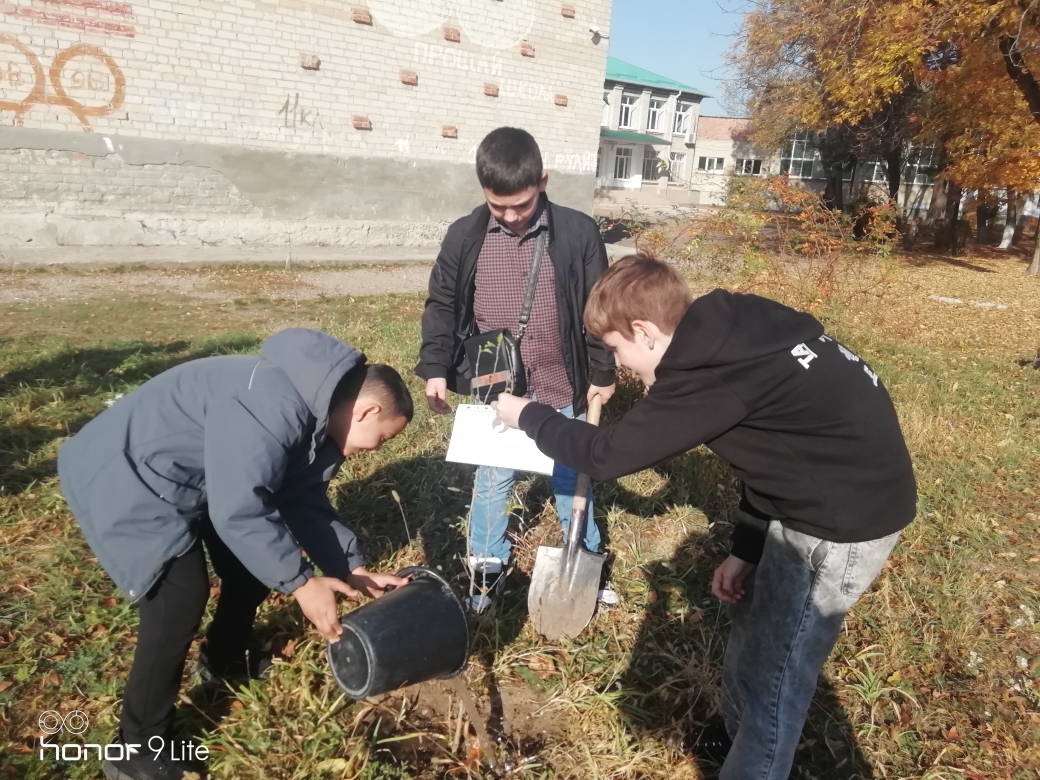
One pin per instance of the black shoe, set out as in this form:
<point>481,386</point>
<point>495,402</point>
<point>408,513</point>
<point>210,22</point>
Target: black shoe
<point>143,765</point>
<point>256,665</point>
<point>712,743</point>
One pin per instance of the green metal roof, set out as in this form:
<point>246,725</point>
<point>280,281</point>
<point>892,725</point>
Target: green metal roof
<point>632,74</point>
<point>624,136</point>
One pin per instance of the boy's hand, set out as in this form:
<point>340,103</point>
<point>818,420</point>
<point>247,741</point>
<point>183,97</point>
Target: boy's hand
<point>317,599</point>
<point>509,408</point>
<point>437,395</point>
<point>728,582</point>
<point>606,393</point>
<point>372,583</point>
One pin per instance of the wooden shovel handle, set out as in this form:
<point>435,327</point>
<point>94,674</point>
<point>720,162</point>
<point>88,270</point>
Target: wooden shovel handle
<point>581,489</point>
<point>595,408</point>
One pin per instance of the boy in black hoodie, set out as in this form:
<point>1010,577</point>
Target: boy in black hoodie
<point>812,434</point>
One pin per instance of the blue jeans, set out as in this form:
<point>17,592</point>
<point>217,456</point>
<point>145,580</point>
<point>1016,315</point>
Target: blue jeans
<point>492,489</point>
<point>782,632</point>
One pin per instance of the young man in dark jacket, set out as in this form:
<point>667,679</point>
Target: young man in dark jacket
<point>231,454</point>
<point>478,285</point>
<point>812,434</point>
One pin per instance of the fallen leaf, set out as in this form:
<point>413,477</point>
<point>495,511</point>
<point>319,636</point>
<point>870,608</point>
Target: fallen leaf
<point>54,678</point>
<point>289,649</point>
<point>5,685</point>
<point>953,734</point>
<point>111,602</point>
<point>237,706</point>
<point>895,677</point>
<point>541,663</point>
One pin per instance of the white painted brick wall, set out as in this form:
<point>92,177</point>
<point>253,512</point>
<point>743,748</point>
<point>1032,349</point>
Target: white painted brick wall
<point>229,74</point>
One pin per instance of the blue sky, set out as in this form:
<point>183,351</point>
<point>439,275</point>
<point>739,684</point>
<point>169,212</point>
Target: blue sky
<point>681,39</point>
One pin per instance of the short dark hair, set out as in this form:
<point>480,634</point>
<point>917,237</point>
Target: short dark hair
<point>508,161</point>
<point>377,381</point>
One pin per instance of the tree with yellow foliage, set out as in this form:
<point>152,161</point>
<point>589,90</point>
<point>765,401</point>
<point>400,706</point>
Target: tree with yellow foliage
<point>963,73</point>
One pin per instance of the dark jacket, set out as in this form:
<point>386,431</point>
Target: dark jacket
<point>807,426</point>
<point>239,438</point>
<point>579,259</point>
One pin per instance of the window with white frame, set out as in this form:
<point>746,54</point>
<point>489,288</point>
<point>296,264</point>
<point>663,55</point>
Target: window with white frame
<point>875,171</point>
<point>604,120</point>
<point>651,164</point>
<point>623,163</point>
<point>747,166</point>
<point>711,164</point>
<point>922,163</point>
<point>629,105</point>
<point>683,112</point>
<point>799,156</point>
<point>676,166</point>
<point>655,119</point>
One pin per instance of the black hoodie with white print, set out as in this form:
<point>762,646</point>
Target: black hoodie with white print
<point>805,423</point>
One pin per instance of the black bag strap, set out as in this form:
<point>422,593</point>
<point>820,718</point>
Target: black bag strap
<point>532,283</point>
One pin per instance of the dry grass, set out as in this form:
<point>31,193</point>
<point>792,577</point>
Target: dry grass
<point>935,676</point>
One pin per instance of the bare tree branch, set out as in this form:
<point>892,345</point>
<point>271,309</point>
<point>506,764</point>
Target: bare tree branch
<point>1019,73</point>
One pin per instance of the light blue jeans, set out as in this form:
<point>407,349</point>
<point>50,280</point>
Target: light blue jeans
<point>782,632</point>
<point>492,490</point>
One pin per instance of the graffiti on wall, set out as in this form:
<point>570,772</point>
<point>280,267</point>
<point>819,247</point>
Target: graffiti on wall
<point>79,73</point>
<point>497,25</point>
<point>457,59</point>
<point>105,17</point>
<point>294,115</point>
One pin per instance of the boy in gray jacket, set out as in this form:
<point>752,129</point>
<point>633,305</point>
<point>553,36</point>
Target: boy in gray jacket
<point>233,454</point>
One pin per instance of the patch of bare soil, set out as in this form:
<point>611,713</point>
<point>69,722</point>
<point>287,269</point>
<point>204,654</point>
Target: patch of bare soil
<point>430,720</point>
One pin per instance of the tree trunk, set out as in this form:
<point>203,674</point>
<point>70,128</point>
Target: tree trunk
<point>834,193</point>
<point>1022,221</point>
<point>894,163</point>
<point>984,213</point>
<point>1010,220</point>
<point>1034,267</point>
<point>947,236</point>
<point>937,206</point>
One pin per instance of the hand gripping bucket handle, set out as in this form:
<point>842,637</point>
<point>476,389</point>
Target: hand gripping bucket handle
<point>412,634</point>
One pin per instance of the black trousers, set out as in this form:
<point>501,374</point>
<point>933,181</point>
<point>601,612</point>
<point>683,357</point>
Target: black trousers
<point>171,613</point>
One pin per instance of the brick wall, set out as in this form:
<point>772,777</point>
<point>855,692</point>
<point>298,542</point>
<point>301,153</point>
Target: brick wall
<point>286,112</point>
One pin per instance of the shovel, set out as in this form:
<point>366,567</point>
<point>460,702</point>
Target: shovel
<point>565,581</point>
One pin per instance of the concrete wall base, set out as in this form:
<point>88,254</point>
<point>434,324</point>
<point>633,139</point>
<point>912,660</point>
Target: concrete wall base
<point>50,229</point>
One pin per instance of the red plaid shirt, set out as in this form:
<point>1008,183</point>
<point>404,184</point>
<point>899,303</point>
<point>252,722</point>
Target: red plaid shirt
<point>502,271</point>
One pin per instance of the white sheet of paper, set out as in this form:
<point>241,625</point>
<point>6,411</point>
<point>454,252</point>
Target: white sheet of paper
<point>477,441</point>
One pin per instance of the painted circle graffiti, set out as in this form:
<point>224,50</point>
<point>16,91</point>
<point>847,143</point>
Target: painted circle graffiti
<point>37,93</point>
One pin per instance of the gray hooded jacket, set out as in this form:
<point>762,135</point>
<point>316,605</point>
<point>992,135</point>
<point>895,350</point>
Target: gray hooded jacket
<point>239,438</point>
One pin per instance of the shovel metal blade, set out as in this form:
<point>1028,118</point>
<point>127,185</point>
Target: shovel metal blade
<point>562,598</point>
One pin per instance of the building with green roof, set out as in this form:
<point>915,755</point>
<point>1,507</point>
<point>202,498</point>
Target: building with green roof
<point>648,130</point>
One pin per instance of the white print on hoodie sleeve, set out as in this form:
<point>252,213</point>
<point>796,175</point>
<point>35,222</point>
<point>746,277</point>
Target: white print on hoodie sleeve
<point>806,356</point>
